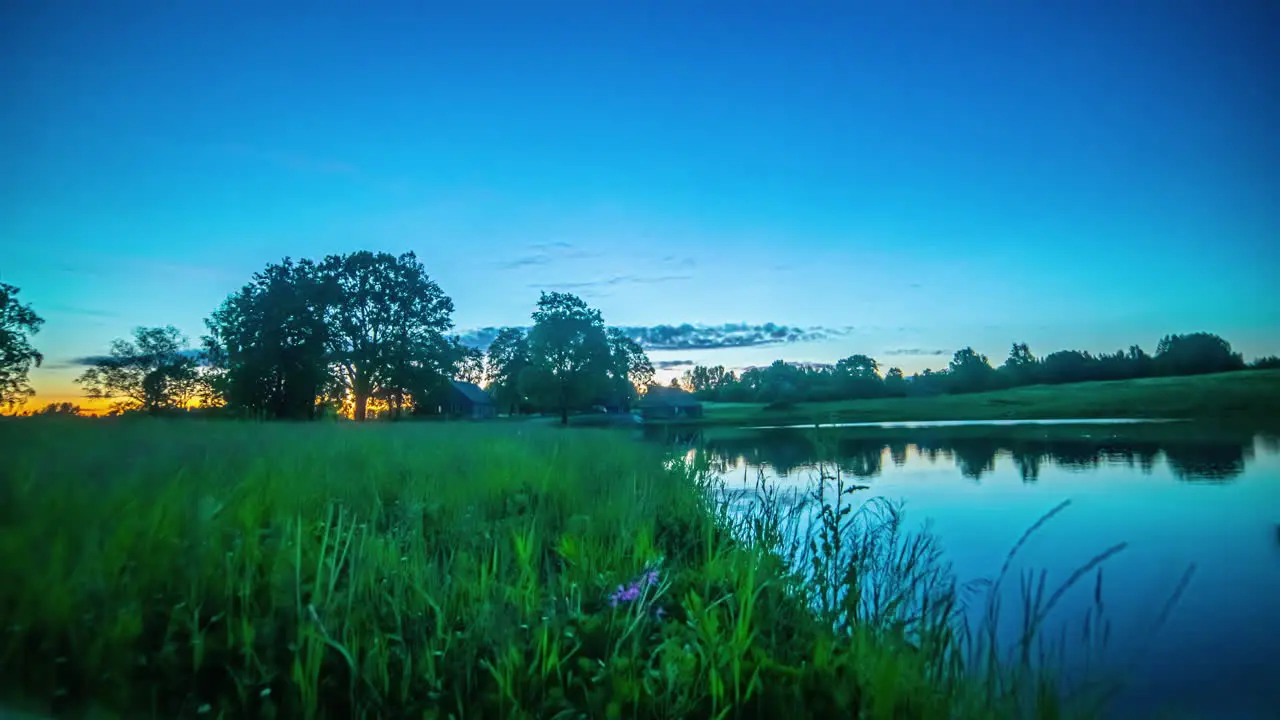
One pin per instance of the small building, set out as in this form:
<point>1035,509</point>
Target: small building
<point>667,403</point>
<point>466,400</point>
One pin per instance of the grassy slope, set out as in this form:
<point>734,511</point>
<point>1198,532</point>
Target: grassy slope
<point>201,570</point>
<point>1250,395</point>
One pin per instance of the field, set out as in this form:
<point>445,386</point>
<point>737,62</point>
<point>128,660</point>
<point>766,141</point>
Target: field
<point>1248,396</point>
<point>200,569</point>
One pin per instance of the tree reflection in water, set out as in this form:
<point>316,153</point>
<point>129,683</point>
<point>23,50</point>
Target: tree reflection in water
<point>1193,453</point>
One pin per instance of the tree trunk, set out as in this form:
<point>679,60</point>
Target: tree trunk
<point>362,407</point>
<point>564,414</point>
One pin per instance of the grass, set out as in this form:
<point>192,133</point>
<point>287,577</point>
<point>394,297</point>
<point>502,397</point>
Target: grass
<point>195,569</point>
<point>1252,396</point>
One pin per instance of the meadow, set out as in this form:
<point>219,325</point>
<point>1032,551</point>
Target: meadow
<point>215,569</point>
<point>1251,396</point>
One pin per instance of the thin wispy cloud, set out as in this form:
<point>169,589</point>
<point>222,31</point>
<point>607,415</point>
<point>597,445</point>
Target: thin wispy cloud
<point>680,262</point>
<point>698,337</point>
<point>672,364</point>
<point>613,282</point>
<point>545,254</point>
<point>914,351</point>
<point>523,262</point>
<point>92,360</point>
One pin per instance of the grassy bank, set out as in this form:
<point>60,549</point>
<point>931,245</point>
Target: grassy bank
<point>227,570</point>
<point>1248,396</point>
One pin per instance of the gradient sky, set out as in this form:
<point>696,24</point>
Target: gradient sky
<point>932,175</point>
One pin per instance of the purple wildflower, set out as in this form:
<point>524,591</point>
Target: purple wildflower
<point>632,592</point>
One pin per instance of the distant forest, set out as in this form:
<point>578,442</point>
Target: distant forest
<point>861,376</point>
<point>368,335</point>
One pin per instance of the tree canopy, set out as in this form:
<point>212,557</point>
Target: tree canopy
<point>18,322</point>
<point>267,343</point>
<point>506,361</point>
<point>570,362</point>
<point>387,322</point>
<point>154,371</point>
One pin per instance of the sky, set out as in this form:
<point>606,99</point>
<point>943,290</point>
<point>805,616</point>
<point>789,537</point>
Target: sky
<point>894,179</point>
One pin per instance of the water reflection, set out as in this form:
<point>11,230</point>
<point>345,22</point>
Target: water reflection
<point>1177,495</point>
<point>1192,453</point>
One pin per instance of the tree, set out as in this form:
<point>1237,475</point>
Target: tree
<point>1020,367</point>
<point>569,358</point>
<point>155,371</point>
<point>267,343</point>
<point>507,358</point>
<point>18,323</point>
<point>1195,354</point>
<point>469,366</point>
<point>709,382</point>
<point>970,371</point>
<point>895,384</point>
<point>386,324</point>
<point>629,366</point>
<point>1068,366</point>
<point>858,376</point>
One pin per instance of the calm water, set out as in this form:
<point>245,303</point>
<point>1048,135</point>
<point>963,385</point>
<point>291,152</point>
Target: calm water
<point>1179,494</point>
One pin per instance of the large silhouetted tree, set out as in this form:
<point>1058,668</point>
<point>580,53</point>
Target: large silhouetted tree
<point>507,358</point>
<point>569,355</point>
<point>267,343</point>
<point>18,322</point>
<point>154,371</point>
<point>386,323</point>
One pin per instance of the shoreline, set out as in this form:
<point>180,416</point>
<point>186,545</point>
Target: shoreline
<point>1249,396</point>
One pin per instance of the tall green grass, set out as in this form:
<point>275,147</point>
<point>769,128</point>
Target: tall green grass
<point>237,570</point>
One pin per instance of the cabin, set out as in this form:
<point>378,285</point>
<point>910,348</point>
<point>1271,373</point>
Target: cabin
<point>666,403</point>
<point>465,400</point>
<point>612,404</point>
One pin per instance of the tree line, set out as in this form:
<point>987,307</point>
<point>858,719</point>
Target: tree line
<point>861,377</point>
<point>363,334</point>
<point>369,334</point>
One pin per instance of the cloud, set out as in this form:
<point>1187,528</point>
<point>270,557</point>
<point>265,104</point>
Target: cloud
<point>672,364</point>
<point>613,282</point>
<point>526,261</point>
<point>698,337</point>
<point>729,335</point>
<point>819,366</point>
<point>91,360</point>
<point>545,254</point>
<point>915,351</point>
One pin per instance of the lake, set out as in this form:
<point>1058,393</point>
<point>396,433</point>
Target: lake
<point>1180,495</point>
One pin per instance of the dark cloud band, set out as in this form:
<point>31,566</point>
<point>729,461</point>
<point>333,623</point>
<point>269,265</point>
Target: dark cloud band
<point>699,337</point>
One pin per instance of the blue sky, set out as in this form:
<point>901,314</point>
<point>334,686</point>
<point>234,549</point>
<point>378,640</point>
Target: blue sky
<point>907,179</point>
